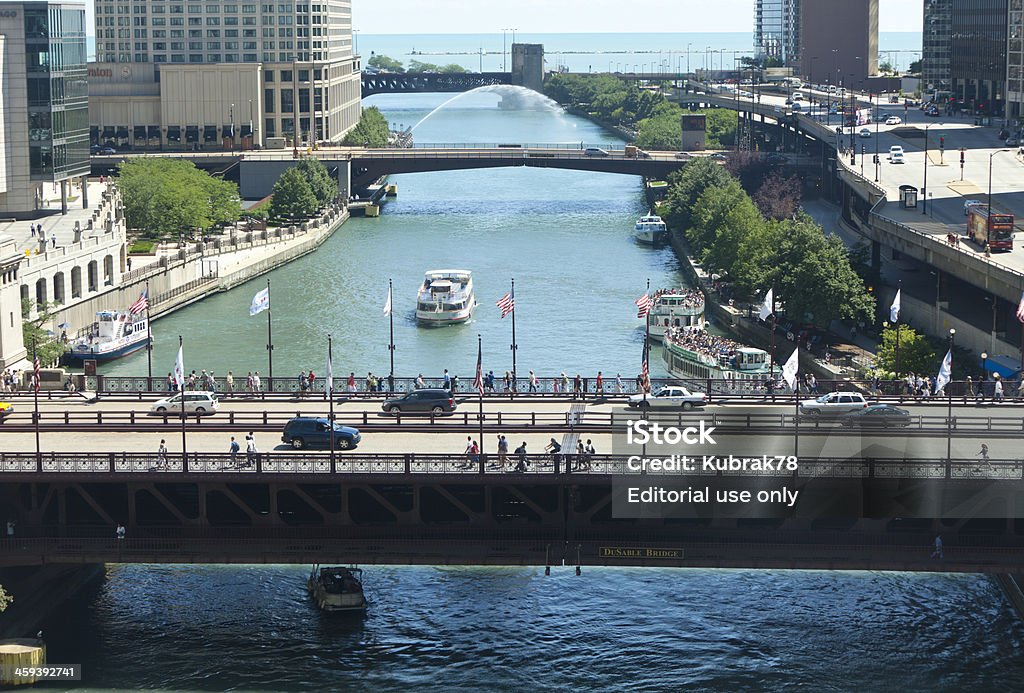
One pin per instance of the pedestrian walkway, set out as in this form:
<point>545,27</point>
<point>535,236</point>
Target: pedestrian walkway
<point>55,226</point>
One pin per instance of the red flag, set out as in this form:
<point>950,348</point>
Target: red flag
<point>643,306</point>
<point>141,303</point>
<point>506,304</point>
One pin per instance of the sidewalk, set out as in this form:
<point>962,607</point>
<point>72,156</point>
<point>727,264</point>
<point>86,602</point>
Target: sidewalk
<point>55,224</point>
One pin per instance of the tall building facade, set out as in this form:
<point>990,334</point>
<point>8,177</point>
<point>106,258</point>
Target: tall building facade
<point>44,101</point>
<point>777,30</point>
<point>212,74</point>
<point>839,41</point>
<point>1015,61</point>
<point>978,55</point>
<point>936,44</point>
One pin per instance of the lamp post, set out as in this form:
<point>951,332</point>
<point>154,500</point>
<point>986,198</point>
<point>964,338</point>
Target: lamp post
<point>688,57</point>
<point>989,211</point>
<point>984,374</point>
<point>949,402</point>
<point>874,114</point>
<point>924,186</point>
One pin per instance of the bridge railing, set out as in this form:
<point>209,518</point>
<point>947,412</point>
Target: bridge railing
<point>323,465</point>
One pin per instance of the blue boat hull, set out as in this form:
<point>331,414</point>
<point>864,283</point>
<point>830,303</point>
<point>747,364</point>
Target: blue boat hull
<point>101,357</point>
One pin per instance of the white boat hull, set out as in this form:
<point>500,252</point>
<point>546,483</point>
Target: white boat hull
<point>650,237</point>
<point>443,317</point>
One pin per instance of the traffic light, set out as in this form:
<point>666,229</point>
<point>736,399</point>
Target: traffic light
<point>962,155</point>
<point>942,143</point>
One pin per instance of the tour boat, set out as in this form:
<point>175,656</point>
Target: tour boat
<point>446,297</point>
<point>700,355</point>
<point>113,335</point>
<point>681,308</point>
<point>650,229</point>
<point>337,589</point>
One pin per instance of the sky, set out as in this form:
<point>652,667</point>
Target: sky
<point>582,16</point>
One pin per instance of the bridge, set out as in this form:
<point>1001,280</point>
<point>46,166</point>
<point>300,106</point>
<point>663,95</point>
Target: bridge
<point>410,82</point>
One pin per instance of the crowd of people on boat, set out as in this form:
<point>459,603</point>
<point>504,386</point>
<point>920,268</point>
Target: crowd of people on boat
<point>703,342</point>
<point>692,298</point>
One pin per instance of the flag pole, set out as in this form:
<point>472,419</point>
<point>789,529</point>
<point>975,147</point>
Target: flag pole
<point>181,387</point>
<point>270,345</point>
<point>896,324</point>
<point>391,342</point>
<point>149,345</point>
<point>35,398</point>
<point>796,403</point>
<point>645,386</point>
<point>514,347</point>
<point>330,396</point>
<point>480,392</point>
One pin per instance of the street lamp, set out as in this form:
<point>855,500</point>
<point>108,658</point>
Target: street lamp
<point>924,187</point>
<point>949,401</point>
<point>989,215</point>
<point>688,57</point>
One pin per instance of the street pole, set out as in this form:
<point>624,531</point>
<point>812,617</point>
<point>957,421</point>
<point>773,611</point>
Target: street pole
<point>988,220</point>
<point>391,338</point>
<point>896,325</point>
<point>949,401</point>
<point>796,404</point>
<point>514,347</point>
<point>270,345</point>
<point>480,394</point>
<point>35,403</point>
<point>647,349</point>
<point>149,345</point>
<point>330,396</point>
<point>181,387</point>
<point>875,114</point>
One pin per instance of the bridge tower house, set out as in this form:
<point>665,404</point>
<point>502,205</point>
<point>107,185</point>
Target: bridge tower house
<point>528,65</point>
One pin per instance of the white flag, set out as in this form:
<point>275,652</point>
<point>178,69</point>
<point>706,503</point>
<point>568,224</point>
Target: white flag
<point>179,369</point>
<point>260,302</point>
<point>944,372</point>
<point>789,370</point>
<point>387,304</point>
<point>894,309</point>
<point>768,307</point>
<point>329,386</point>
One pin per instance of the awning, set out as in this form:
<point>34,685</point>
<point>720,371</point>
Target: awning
<point>210,133</point>
<point>228,131</point>
<point>1005,366</point>
<point>108,132</point>
<point>139,132</point>
<point>153,131</point>
<point>173,133</point>
<point>246,130</point>
<point>191,133</point>
<point>122,131</point>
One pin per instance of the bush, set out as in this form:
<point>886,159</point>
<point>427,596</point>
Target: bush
<point>142,246</point>
<point>370,131</point>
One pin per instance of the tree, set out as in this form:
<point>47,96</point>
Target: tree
<point>916,354</point>
<point>320,181</point>
<point>371,130</point>
<point>779,196</point>
<point>5,599</point>
<point>915,67</point>
<point>752,168</point>
<point>48,346</point>
<point>723,219</point>
<point>721,127</point>
<point>660,132</point>
<point>450,68</point>
<point>383,62</point>
<point>885,67</point>
<point>687,185</point>
<point>293,198</point>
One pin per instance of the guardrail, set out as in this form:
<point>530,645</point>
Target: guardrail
<point>322,464</point>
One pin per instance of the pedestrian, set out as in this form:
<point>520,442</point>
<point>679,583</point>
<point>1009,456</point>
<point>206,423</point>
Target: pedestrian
<point>351,384</point>
<point>419,384</point>
<point>554,448</point>
<point>522,460</point>
<point>533,381</point>
<point>303,383</point>
<point>474,454</point>
<point>233,450</point>
<point>129,263</point>
<point>468,452</point>
<point>599,384</point>
<point>577,387</point>
<point>120,531</point>
<point>161,455</point>
<point>581,455</point>
<point>502,451</point>
<point>369,381</point>
<point>969,388</point>
<point>10,529</point>
<point>591,451</point>
<point>508,381</point>
<point>983,452</point>
<point>256,382</point>
<point>997,394</point>
<point>251,452</point>
<point>310,380</point>
<point>455,383</point>
<point>565,383</point>
<point>53,240</point>
<point>554,385</point>
<point>618,383</point>
<point>229,383</point>
<point>446,380</point>
<point>937,553</point>
<point>171,385</point>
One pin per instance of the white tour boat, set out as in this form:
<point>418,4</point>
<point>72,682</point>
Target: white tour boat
<point>676,308</point>
<point>650,229</point>
<point>337,589</point>
<point>114,334</point>
<point>446,297</point>
<point>700,355</point>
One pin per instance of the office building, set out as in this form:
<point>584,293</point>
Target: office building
<point>936,44</point>
<point>777,31</point>
<point>44,137</point>
<point>1015,61</point>
<point>839,41</point>
<point>978,55</point>
<point>176,74</point>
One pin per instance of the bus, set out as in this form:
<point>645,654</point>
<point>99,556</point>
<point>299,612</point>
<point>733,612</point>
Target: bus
<point>993,231</point>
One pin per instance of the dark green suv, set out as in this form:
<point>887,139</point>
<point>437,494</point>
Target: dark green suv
<point>307,431</point>
<point>426,401</point>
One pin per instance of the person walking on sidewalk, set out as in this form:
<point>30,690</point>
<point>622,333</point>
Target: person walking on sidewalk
<point>937,553</point>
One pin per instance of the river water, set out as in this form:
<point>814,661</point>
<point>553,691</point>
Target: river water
<point>565,237</point>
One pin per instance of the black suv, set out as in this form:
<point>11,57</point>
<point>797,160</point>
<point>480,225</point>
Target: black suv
<point>429,400</point>
<point>303,431</point>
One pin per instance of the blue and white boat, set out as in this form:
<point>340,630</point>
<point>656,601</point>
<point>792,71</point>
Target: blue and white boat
<point>113,335</point>
<point>650,229</point>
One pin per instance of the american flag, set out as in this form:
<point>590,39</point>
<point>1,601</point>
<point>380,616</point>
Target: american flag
<point>1020,309</point>
<point>141,303</point>
<point>479,379</point>
<point>506,304</point>
<point>643,306</point>
<point>645,372</point>
<point>36,373</point>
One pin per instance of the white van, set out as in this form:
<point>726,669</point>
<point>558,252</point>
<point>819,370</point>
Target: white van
<point>595,151</point>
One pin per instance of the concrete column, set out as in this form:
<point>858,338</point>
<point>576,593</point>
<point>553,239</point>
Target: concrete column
<point>85,192</point>
<point>63,197</point>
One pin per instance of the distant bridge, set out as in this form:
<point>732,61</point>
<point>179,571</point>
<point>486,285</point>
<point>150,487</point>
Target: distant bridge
<point>409,82</point>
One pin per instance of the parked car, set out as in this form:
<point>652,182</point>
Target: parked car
<point>878,415</point>
<point>893,120</point>
<point>5,410</point>
<point>308,431</point>
<point>107,150</point>
<point>195,403</point>
<point>1012,141</point>
<point>427,400</point>
<point>834,403</point>
<point>595,151</point>
<point>671,396</point>
<point>865,133</point>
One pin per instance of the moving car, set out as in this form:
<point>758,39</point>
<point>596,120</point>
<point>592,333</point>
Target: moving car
<point>878,415</point>
<point>195,403</point>
<point>5,410</point>
<point>865,133</point>
<point>306,431</point>
<point>834,403</point>
<point>670,396</point>
<point>595,151</point>
<point>893,120</point>
<point>427,400</point>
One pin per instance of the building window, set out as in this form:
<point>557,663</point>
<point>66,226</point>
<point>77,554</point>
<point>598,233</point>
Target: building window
<point>268,75</point>
<point>268,129</point>
<point>268,100</point>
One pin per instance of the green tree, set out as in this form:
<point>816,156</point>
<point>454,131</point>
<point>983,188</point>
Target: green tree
<point>48,346</point>
<point>885,67</point>
<point>5,599</point>
<point>293,197</point>
<point>383,62</point>
<point>686,186</point>
<point>659,132</point>
<point>915,67</point>
<point>720,127</point>
<point>723,218</point>
<point>320,181</point>
<point>371,130</point>
<point>917,355</point>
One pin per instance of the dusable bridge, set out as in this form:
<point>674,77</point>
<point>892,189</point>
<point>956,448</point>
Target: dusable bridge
<point>409,82</point>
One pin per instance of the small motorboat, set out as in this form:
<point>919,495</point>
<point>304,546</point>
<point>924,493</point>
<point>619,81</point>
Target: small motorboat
<point>337,589</point>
